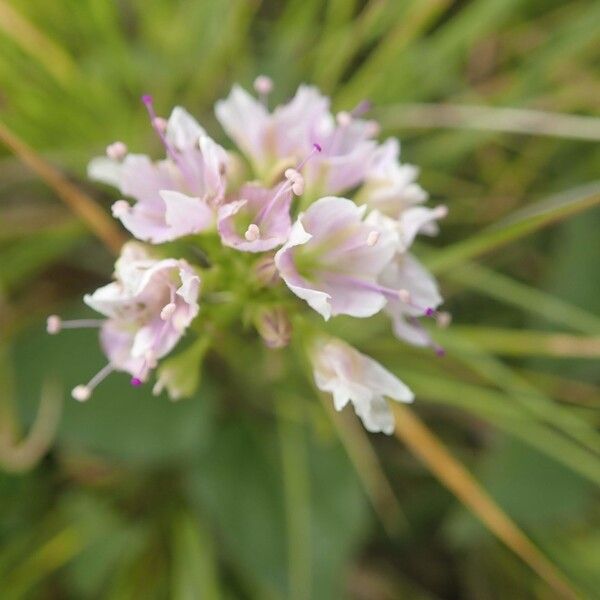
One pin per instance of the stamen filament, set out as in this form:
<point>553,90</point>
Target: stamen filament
<point>364,106</point>
<point>263,86</point>
<point>439,351</point>
<point>171,150</point>
<point>83,392</point>
<point>82,323</point>
<point>295,183</point>
<point>100,376</point>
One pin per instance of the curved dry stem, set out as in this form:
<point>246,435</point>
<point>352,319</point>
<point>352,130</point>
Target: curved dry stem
<point>21,456</point>
<point>426,446</point>
<point>79,202</point>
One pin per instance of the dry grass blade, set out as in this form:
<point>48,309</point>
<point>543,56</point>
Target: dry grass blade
<point>80,203</point>
<point>490,118</point>
<point>424,444</point>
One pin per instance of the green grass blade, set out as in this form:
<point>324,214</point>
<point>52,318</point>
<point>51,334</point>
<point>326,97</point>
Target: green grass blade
<point>542,214</point>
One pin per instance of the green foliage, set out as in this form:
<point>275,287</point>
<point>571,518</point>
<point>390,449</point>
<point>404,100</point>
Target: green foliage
<point>244,490</point>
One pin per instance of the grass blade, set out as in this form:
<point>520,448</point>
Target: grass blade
<point>540,215</point>
<point>368,468</point>
<point>501,287</point>
<point>35,43</point>
<point>489,118</point>
<point>80,203</point>
<point>519,342</point>
<point>296,484</point>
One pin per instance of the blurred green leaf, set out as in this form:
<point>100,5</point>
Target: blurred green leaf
<point>119,421</point>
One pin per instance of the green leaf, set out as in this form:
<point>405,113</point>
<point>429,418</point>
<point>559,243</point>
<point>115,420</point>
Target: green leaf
<point>119,421</point>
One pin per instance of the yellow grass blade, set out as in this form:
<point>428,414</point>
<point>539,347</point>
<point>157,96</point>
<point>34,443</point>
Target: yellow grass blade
<point>79,202</point>
<point>425,445</point>
<point>35,43</point>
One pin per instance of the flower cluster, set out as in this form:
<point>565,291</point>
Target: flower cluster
<point>272,218</point>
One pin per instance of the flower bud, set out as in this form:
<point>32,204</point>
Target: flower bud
<point>274,327</point>
<point>266,272</point>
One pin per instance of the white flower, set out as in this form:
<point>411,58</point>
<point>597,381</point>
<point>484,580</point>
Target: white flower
<point>354,377</point>
<point>332,259</point>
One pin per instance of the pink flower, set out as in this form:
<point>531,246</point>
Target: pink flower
<point>390,186</point>
<point>332,259</point>
<point>347,151</point>
<point>411,222</point>
<point>283,136</point>
<point>258,220</point>
<point>174,197</point>
<point>421,298</point>
<point>351,376</point>
<point>148,308</point>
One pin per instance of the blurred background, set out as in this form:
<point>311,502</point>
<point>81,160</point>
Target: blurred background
<point>253,489</point>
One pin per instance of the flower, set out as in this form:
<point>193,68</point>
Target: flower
<point>281,137</point>
<point>258,220</point>
<point>174,197</point>
<point>411,222</point>
<point>351,376</point>
<point>390,186</point>
<point>341,256</point>
<point>347,150</point>
<point>148,308</point>
<point>332,259</point>
<point>422,298</point>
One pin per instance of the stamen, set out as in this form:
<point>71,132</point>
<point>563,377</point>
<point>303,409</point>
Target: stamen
<point>298,187</point>
<point>443,319</point>
<point>364,106</point>
<point>157,124</point>
<point>116,151</point>
<point>120,208</point>
<point>54,324</point>
<point>343,118</point>
<point>316,149</point>
<point>390,293</point>
<point>440,211</point>
<point>296,180</point>
<point>439,351</point>
<point>252,233</point>
<point>160,126</point>
<point>83,392</point>
<point>373,238</point>
<point>373,128</point>
<point>151,359</point>
<point>167,311</point>
<point>263,86</point>
<point>404,296</point>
